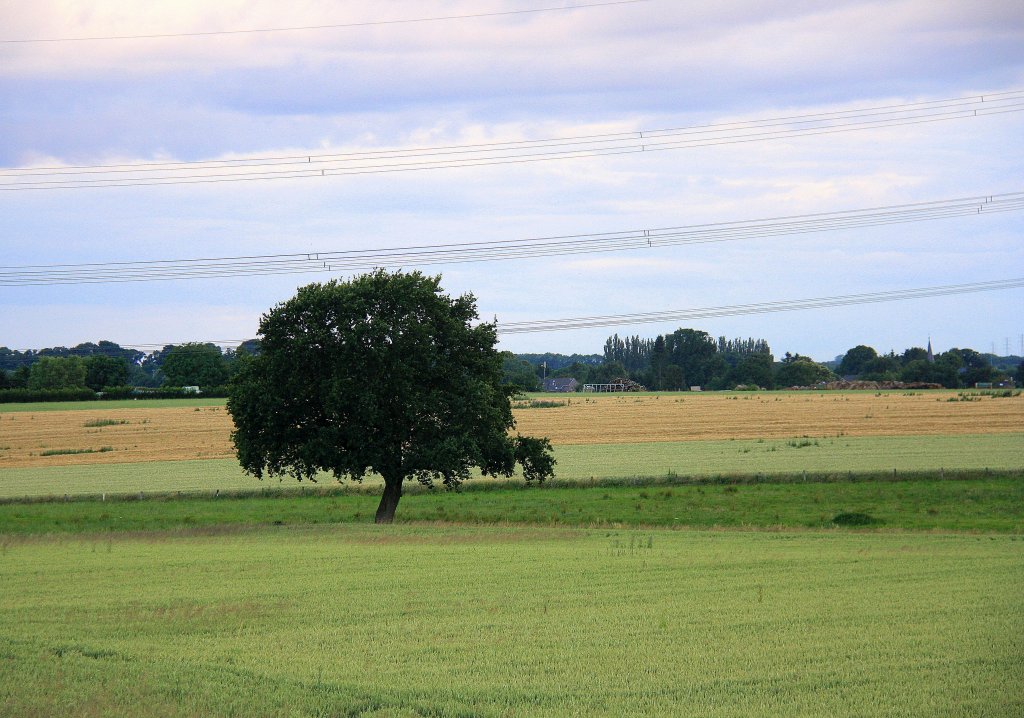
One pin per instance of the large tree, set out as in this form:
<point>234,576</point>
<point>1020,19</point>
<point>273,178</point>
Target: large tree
<point>102,370</point>
<point>854,361</point>
<point>57,373</point>
<point>801,371</point>
<point>384,373</point>
<point>696,353</point>
<point>195,364</point>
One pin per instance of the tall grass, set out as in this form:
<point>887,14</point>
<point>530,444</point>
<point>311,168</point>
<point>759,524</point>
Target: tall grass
<point>487,622</point>
<point>963,502</point>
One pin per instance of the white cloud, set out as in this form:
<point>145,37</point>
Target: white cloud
<point>655,64</point>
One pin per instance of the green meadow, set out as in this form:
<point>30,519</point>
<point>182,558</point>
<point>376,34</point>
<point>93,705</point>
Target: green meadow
<point>970,501</point>
<point>505,621</point>
<point>687,458</point>
<point>839,576</point>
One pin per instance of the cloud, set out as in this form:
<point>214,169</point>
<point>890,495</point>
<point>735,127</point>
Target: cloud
<point>657,64</point>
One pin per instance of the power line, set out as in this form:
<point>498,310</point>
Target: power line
<point>498,153</point>
<point>678,315</point>
<point>500,250</point>
<point>932,105</point>
<point>338,26</point>
<point>789,305</point>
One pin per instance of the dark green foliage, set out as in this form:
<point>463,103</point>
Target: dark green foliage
<point>687,357</point>
<point>195,364</point>
<point>971,502</point>
<point>12,359</point>
<point>383,374</point>
<point>632,352</point>
<point>554,362</point>
<point>577,370</point>
<point>50,373</point>
<point>802,372</point>
<point>913,354</point>
<point>24,396</point>
<point>752,370</point>
<point>854,518</point>
<point>102,370</point>
<point>519,373</point>
<point>696,354</point>
<point>19,378</point>
<point>855,360</point>
<point>938,372</point>
<point>109,393</point>
<point>885,367</point>
<point>735,350</point>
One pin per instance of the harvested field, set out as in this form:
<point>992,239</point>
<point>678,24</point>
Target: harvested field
<point>114,436</point>
<point>122,435</point>
<point>689,417</point>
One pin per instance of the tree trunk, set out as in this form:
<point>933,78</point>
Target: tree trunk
<point>389,500</point>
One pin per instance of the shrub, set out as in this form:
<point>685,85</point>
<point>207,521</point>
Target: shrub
<point>855,519</point>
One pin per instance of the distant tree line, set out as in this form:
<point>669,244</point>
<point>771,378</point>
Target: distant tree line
<point>83,370</point>
<point>690,357</point>
<point>955,368</point>
<point>684,358</point>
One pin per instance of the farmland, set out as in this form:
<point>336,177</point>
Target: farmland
<point>716,554</point>
<point>202,431</point>
<point>124,447</point>
<point>840,455</point>
<point>449,621</point>
<point>966,501</point>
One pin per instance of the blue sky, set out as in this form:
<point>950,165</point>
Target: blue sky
<point>512,77</point>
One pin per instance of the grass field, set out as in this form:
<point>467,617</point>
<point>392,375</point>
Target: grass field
<point>583,599</point>
<point>449,621</point>
<point>970,502</point>
<point>684,458</point>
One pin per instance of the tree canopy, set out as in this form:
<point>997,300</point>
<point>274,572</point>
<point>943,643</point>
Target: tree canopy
<point>57,373</point>
<point>855,359</point>
<point>384,373</point>
<point>102,371</point>
<point>195,364</point>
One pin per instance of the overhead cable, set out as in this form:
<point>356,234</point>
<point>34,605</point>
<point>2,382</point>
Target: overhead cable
<point>337,26</point>
<point>296,166</point>
<point>686,315</point>
<point>735,310</point>
<point>498,250</point>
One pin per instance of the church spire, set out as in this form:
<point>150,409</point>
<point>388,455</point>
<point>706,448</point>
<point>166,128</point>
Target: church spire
<point>931,357</point>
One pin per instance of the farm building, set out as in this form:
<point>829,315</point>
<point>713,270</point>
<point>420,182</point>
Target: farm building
<point>560,385</point>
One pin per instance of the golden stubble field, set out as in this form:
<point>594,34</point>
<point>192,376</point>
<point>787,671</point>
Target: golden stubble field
<point>127,435</point>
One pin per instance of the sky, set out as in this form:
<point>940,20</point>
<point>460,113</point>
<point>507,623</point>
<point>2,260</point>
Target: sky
<point>393,79</point>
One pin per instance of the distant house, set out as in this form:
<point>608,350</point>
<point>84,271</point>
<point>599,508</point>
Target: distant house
<point>560,385</point>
